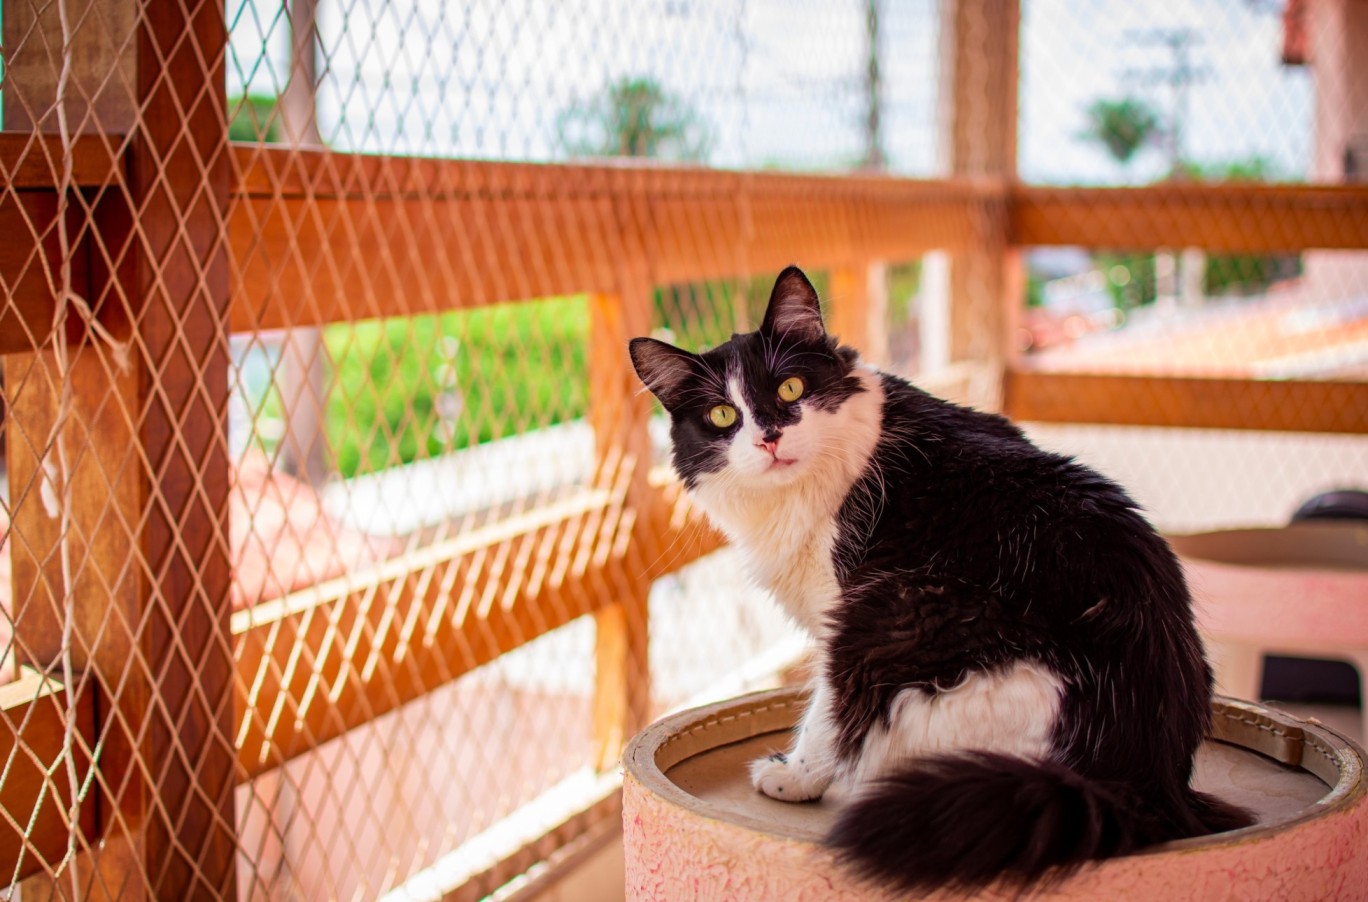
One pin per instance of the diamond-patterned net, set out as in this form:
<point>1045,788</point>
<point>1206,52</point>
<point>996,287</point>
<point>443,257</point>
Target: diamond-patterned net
<point>1201,101</point>
<point>339,552</point>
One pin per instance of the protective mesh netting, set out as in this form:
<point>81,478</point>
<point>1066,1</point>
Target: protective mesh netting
<point>1236,93</point>
<point>333,528</point>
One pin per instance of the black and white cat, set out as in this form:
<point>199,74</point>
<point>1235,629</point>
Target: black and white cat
<point>1008,677</point>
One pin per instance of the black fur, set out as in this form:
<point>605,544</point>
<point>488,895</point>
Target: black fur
<point>962,549</point>
<point>985,550</point>
<point>960,822</point>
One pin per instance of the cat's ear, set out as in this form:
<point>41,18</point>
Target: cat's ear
<point>793,310</point>
<point>664,368</point>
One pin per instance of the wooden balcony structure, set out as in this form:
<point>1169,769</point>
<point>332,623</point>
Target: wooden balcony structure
<point>179,238</point>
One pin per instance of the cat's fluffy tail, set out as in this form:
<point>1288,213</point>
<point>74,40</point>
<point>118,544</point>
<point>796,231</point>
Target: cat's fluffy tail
<point>964,821</point>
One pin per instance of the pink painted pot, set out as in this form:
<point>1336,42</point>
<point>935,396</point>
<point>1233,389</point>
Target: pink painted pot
<point>695,829</point>
<point>1301,590</point>
<point>1303,587</point>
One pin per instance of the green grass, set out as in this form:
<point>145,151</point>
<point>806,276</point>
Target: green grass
<point>499,371</point>
<point>412,388</point>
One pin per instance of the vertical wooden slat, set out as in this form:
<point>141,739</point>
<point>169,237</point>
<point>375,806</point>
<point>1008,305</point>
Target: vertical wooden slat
<point>859,309</point>
<point>619,413</point>
<point>146,577</point>
<point>979,98</point>
<point>180,176</point>
<point>103,474</point>
<point>125,533</point>
<point>97,98</point>
<point>95,553</point>
<point>31,259</point>
<point>303,375</point>
<point>28,247</point>
<point>35,790</point>
<point>149,477</point>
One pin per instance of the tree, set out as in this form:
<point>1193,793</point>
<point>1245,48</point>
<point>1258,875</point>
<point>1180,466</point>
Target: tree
<point>634,117</point>
<point>1122,126</point>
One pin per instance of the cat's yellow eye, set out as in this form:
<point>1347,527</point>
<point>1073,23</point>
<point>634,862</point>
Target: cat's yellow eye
<point>791,389</point>
<point>722,416</point>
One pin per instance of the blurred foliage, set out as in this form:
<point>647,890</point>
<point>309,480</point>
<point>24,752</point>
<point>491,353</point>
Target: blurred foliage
<point>904,283</point>
<point>1035,286</point>
<point>252,118</point>
<point>1131,278</point>
<point>1236,273</point>
<point>634,117</point>
<point>1122,126</point>
<point>415,387</point>
<point>1253,169</point>
<point>1225,274</point>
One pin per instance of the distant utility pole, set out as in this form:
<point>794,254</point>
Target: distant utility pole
<point>1184,277</point>
<point>1180,74</point>
<point>874,159</point>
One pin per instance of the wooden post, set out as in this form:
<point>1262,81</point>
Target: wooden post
<point>97,98</point>
<point>619,411</point>
<point>979,110</point>
<point>859,309</point>
<point>96,558</point>
<point>133,539</point>
<point>180,176</point>
<point>304,372</point>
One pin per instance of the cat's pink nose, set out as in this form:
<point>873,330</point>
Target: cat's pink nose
<point>771,447</point>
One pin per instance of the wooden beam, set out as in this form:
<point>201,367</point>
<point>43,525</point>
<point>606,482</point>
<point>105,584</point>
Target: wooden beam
<point>34,795</point>
<point>859,309</point>
<point>353,237</point>
<point>98,95</point>
<point>680,533</point>
<point>349,236</point>
<point>619,413</point>
<point>979,74</point>
<point>168,766</point>
<point>270,171</point>
<point>29,161</point>
<point>30,251</point>
<point>1193,403</point>
<point>1232,217</point>
<point>312,262</point>
<point>75,490</point>
<point>29,255</point>
<point>979,103</point>
<point>320,661</point>
<point>323,660</point>
<point>141,497</point>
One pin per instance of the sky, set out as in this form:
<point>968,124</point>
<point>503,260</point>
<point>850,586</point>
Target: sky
<point>778,82</point>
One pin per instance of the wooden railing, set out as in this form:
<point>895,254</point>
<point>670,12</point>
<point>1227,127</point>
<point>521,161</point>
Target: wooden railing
<point>617,233</point>
<point>452,234</point>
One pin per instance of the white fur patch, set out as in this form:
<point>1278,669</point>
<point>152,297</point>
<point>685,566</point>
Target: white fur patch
<point>783,519</point>
<point>743,455</point>
<point>1012,712</point>
<point>808,768</point>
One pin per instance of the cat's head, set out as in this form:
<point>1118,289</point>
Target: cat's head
<point>763,409</point>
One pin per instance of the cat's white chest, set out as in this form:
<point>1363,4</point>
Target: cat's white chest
<point>802,576</point>
<point>786,546</point>
<point>787,533</point>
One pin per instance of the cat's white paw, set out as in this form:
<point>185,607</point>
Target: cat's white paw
<point>781,779</point>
